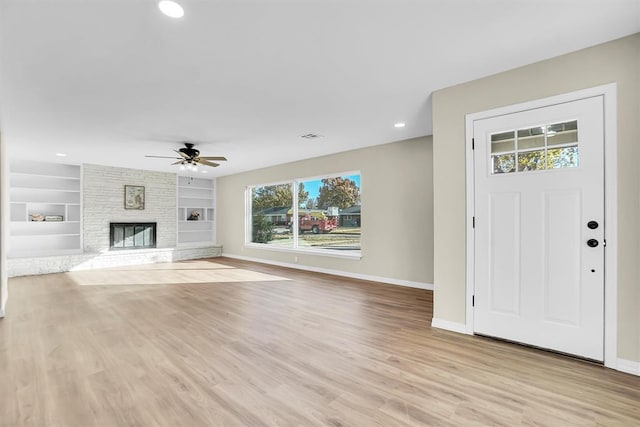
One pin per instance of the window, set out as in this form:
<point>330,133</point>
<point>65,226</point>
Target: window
<point>552,146</point>
<point>271,206</point>
<point>327,209</point>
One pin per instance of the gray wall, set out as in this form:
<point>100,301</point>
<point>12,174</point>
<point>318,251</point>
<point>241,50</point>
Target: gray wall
<point>617,61</point>
<point>397,210</point>
<point>103,202</point>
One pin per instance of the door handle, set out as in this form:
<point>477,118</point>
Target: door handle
<point>592,243</point>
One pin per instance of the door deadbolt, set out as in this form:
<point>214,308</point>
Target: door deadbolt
<point>592,243</point>
<point>592,224</point>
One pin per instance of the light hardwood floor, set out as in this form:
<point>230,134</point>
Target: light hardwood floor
<point>226,342</point>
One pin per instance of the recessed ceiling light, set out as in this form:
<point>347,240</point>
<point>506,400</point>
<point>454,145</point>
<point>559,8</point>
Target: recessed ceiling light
<point>61,155</point>
<point>204,171</point>
<point>171,9</point>
<point>399,125</point>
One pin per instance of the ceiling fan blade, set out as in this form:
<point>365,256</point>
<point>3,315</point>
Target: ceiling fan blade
<point>219,158</point>
<point>207,163</point>
<point>181,154</point>
<point>163,157</point>
<point>178,162</point>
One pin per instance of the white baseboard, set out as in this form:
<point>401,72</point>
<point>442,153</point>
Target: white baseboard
<point>391,281</point>
<point>460,328</point>
<point>629,367</point>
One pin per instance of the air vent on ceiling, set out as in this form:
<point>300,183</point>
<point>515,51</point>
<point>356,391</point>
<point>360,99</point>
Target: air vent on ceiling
<point>311,136</point>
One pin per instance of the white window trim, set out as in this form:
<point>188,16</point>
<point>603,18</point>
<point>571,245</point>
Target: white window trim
<point>295,182</point>
<point>308,251</point>
<point>609,93</point>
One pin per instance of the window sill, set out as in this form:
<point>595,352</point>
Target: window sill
<point>321,252</point>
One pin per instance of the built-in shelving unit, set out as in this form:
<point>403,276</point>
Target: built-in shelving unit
<point>196,195</point>
<point>41,191</point>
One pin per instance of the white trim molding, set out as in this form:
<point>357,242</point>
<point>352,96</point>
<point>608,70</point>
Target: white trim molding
<point>609,94</point>
<point>386,280</point>
<point>335,253</point>
<point>447,325</point>
<point>628,366</point>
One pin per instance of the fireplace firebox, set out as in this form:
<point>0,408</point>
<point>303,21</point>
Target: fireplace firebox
<point>132,235</point>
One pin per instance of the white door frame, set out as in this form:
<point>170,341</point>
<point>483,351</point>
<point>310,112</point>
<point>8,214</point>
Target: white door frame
<point>609,93</point>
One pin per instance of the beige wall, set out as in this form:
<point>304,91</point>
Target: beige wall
<point>617,61</point>
<point>397,209</point>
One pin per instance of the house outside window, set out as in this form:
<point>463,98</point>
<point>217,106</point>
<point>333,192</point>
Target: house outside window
<point>327,209</point>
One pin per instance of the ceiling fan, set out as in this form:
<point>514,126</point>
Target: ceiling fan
<point>190,157</point>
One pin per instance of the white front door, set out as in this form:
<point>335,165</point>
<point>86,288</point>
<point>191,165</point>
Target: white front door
<point>539,227</point>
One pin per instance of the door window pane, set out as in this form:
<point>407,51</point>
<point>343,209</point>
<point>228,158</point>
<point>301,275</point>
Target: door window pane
<point>531,138</point>
<point>504,163</point>
<point>503,142</point>
<point>566,157</point>
<point>563,133</point>
<point>531,161</point>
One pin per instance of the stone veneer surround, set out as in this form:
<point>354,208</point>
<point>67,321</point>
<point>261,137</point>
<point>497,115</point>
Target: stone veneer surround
<point>103,203</point>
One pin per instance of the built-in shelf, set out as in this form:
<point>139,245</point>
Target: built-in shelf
<point>37,191</point>
<point>196,199</point>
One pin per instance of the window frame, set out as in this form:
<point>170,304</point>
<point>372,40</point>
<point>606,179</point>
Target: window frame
<point>545,148</point>
<point>295,248</point>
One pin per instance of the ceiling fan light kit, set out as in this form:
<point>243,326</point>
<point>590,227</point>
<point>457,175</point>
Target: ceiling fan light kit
<point>185,165</point>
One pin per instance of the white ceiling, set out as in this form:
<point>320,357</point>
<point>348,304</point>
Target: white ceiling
<point>108,81</point>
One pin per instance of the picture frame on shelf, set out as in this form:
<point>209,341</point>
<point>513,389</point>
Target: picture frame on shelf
<point>134,197</point>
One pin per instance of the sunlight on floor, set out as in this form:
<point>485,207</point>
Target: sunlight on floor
<point>204,272</point>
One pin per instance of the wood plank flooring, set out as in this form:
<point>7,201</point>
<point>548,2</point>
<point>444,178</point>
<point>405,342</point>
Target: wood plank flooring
<point>223,342</point>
